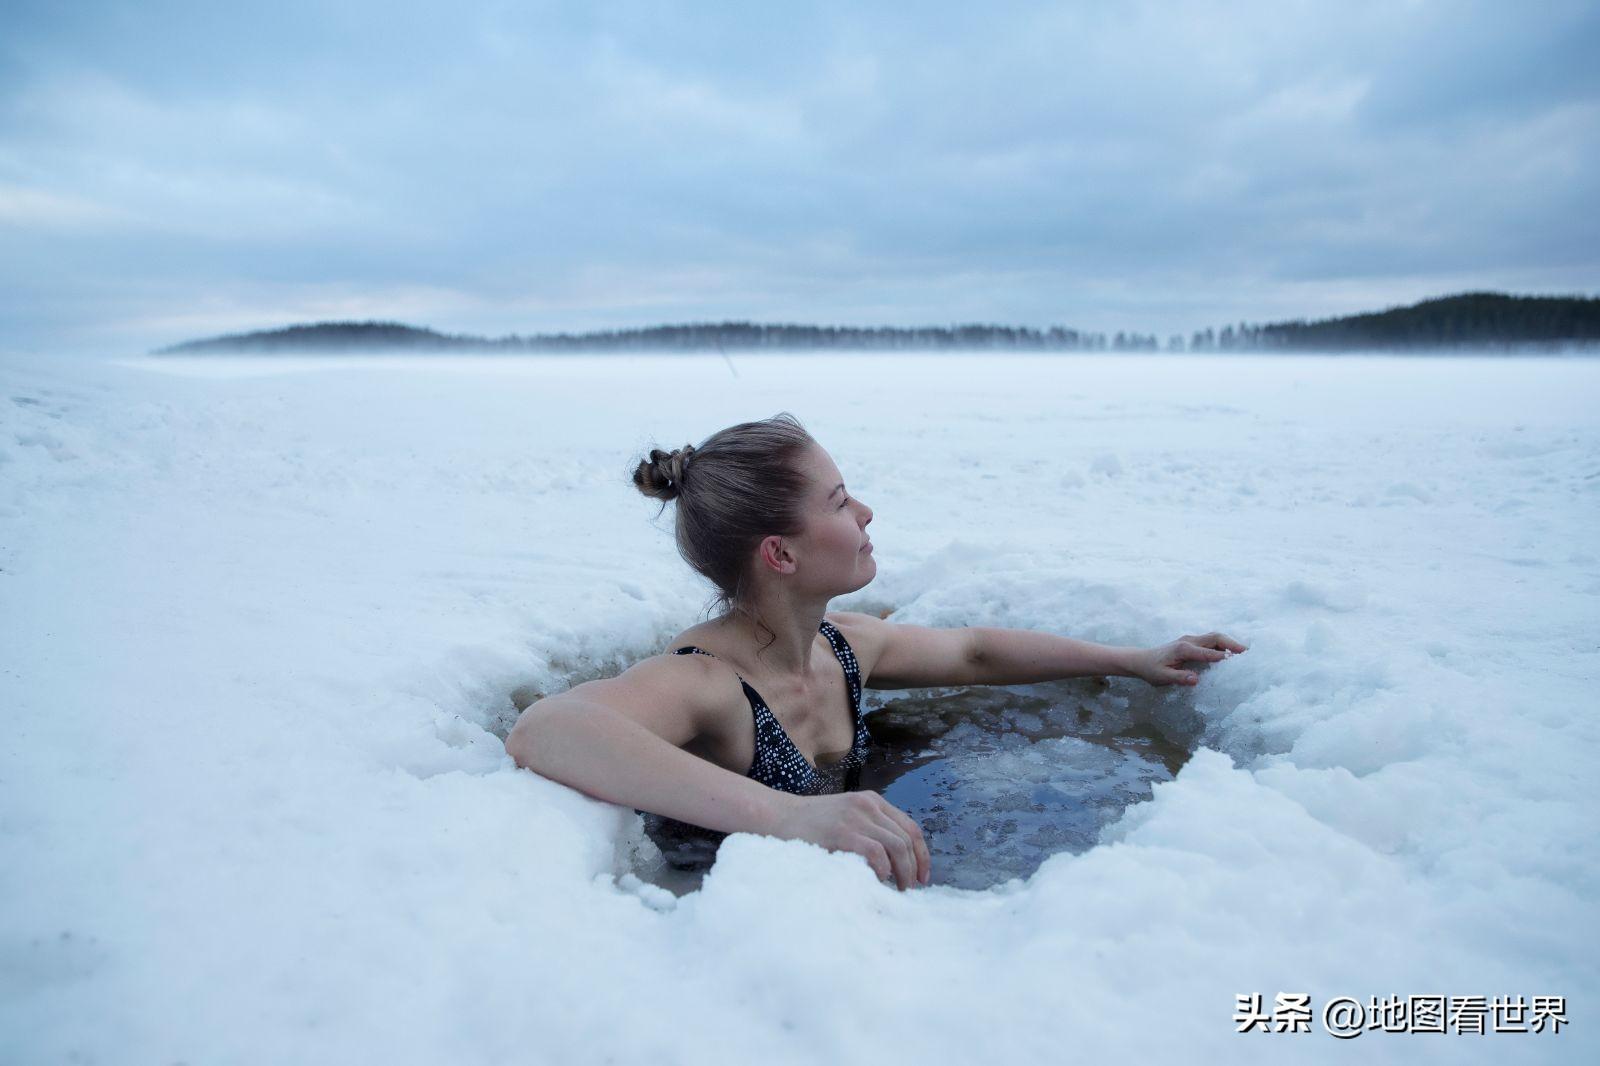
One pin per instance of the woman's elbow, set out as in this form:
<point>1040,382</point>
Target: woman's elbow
<point>515,748</point>
<point>523,742</point>
<point>517,745</point>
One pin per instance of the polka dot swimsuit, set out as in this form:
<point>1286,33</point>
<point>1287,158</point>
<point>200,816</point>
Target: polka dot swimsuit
<point>777,763</point>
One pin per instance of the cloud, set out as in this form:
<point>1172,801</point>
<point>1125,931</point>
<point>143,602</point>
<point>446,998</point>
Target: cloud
<point>40,209</point>
<point>1149,166</point>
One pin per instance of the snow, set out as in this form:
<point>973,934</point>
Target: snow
<point>262,619</point>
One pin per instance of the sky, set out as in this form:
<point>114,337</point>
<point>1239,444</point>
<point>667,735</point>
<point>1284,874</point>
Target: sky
<point>177,170</point>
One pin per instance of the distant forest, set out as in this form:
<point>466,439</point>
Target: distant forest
<point>1477,320</point>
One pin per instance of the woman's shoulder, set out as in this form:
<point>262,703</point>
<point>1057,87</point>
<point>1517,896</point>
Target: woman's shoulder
<point>705,663</point>
<point>719,693</point>
<point>855,621</point>
<point>864,633</point>
<point>676,659</point>
<point>693,637</point>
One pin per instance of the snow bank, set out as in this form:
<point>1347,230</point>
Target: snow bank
<point>262,620</point>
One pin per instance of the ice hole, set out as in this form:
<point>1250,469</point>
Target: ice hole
<point>999,779</point>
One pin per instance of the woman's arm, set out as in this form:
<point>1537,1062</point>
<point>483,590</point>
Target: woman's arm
<point>1022,656</point>
<point>621,740</point>
<point>908,656</point>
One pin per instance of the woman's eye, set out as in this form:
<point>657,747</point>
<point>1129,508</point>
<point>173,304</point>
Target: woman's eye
<point>845,504</point>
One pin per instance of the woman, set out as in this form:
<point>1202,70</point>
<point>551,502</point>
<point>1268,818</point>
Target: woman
<point>753,723</point>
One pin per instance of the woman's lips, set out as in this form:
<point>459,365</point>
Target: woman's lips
<point>867,546</point>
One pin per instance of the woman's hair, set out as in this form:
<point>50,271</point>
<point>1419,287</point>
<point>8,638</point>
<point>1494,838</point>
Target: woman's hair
<point>741,485</point>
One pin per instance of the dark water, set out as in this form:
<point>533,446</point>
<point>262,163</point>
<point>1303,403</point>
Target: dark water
<point>1000,779</point>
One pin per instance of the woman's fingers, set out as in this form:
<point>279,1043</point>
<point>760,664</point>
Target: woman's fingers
<point>882,835</point>
<point>882,830</point>
<point>913,832</point>
<point>898,848</point>
<point>1218,640</point>
<point>865,823</point>
<point>901,857</point>
<point>1209,648</point>
<point>917,865</point>
<point>1182,652</point>
<point>878,858</point>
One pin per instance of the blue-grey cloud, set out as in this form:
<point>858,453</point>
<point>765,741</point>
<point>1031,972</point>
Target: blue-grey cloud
<point>171,169</point>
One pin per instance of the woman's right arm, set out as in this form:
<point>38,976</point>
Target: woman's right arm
<point>622,740</point>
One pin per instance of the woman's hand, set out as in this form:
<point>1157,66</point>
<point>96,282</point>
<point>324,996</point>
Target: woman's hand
<point>1164,665</point>
<point>864,823</point>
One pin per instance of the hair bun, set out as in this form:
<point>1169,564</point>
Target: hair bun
<point>661,475</point>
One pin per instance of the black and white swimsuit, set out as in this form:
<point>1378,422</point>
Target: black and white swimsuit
<point>777,762</point>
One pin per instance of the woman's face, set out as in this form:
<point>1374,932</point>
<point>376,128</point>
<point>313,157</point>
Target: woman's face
<point>834,550</point>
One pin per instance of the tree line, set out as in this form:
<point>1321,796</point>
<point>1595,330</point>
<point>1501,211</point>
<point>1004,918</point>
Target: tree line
<point>696,337</point>
<point>1470,320</point>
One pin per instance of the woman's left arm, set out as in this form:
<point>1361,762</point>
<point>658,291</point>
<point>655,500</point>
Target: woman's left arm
<point>1024,656</point>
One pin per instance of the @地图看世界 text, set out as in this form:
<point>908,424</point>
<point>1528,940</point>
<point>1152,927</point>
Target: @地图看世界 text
<point>1346,1017</point>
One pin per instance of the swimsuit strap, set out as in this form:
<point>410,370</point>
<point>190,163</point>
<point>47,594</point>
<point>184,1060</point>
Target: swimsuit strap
<point>753,695</point>
<point>702,651</point>
<point>847,659</point>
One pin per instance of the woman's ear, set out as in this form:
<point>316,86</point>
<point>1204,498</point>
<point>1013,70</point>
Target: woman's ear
<point>775,555</point>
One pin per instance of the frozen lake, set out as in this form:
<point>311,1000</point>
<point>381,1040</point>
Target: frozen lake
<point>262,620</point>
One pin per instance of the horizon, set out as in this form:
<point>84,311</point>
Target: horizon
<point>1124,341</point>
<point>182,171</point>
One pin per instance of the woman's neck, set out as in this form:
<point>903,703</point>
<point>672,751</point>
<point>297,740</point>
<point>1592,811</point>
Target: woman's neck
<point>791,629</point>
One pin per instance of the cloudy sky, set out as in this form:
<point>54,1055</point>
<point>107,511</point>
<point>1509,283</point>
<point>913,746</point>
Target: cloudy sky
<point>173,170</point>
